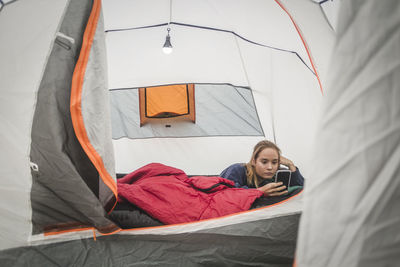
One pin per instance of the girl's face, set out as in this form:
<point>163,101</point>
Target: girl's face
<point>267,163</point>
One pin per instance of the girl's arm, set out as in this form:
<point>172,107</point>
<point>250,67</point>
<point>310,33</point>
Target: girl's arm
<point>288,163</point>
<point>236,173</point>
<point>297,178</point>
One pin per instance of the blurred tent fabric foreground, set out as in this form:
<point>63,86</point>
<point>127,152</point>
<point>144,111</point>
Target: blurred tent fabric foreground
<point>351,210</point>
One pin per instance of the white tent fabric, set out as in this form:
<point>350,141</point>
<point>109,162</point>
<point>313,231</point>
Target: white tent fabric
<point>331,9</point>
<point>351,211</point>
<point>27,32</point>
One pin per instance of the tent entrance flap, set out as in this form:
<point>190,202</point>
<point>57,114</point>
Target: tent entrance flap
<point>66,189</point>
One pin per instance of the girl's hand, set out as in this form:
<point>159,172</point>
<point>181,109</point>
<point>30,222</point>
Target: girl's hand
<point>273,189</point>
<point>288,163</point>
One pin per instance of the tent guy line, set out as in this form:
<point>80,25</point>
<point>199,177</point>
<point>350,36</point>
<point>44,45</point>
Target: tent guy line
<point>213,29</point>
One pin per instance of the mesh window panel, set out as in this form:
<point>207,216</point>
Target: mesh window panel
<point>221,110</point>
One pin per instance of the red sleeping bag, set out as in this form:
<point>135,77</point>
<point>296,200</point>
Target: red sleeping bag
<point>169,195</point>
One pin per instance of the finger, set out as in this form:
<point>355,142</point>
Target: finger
<point>280,188</point>
<point>274,185</point>
<point>278,193</point>
<point>271,186</point>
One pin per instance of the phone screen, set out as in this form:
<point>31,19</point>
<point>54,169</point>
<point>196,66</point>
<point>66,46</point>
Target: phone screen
<point>284,177</point>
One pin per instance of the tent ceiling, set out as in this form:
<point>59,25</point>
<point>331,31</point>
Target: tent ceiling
<point>263,22</point>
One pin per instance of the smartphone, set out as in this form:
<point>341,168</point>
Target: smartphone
<point>284,177</point>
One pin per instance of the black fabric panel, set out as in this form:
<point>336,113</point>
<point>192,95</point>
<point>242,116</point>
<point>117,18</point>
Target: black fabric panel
<point>65,188</point>
<point>188,249</point>
<point>128,216</point>
<point>129,219</point>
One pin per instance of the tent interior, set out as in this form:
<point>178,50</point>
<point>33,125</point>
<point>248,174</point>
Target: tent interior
<point>88,94</point>
<point>250,71</point>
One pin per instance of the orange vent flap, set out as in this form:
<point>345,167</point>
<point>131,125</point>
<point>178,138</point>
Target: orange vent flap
<point>167,102</point>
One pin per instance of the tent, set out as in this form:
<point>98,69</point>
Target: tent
<point>351,211</point>
<point>72,73</point>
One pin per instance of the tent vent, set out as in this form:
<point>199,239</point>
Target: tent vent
<point>167,101</point>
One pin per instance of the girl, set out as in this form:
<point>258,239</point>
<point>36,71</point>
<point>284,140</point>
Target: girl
<point>259,172</point>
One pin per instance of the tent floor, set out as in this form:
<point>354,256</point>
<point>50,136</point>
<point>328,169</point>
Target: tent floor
<point>187,249</point>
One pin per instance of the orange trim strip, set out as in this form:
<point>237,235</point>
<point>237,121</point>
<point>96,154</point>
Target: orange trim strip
<point>192,113</point>
<point>76,94</point>
<point>68,231</point>
<point>142,108</point>
<point>304,42</point>
<point>79,230</point>
<point>94,235</point>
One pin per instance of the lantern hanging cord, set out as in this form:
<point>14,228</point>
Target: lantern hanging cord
<point>170,15</point>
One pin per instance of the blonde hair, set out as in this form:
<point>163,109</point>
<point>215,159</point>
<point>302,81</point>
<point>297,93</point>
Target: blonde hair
<point>252,178</point>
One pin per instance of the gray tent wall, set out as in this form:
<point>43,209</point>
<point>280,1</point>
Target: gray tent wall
<point>351,213</point>
<point>67,190</point>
